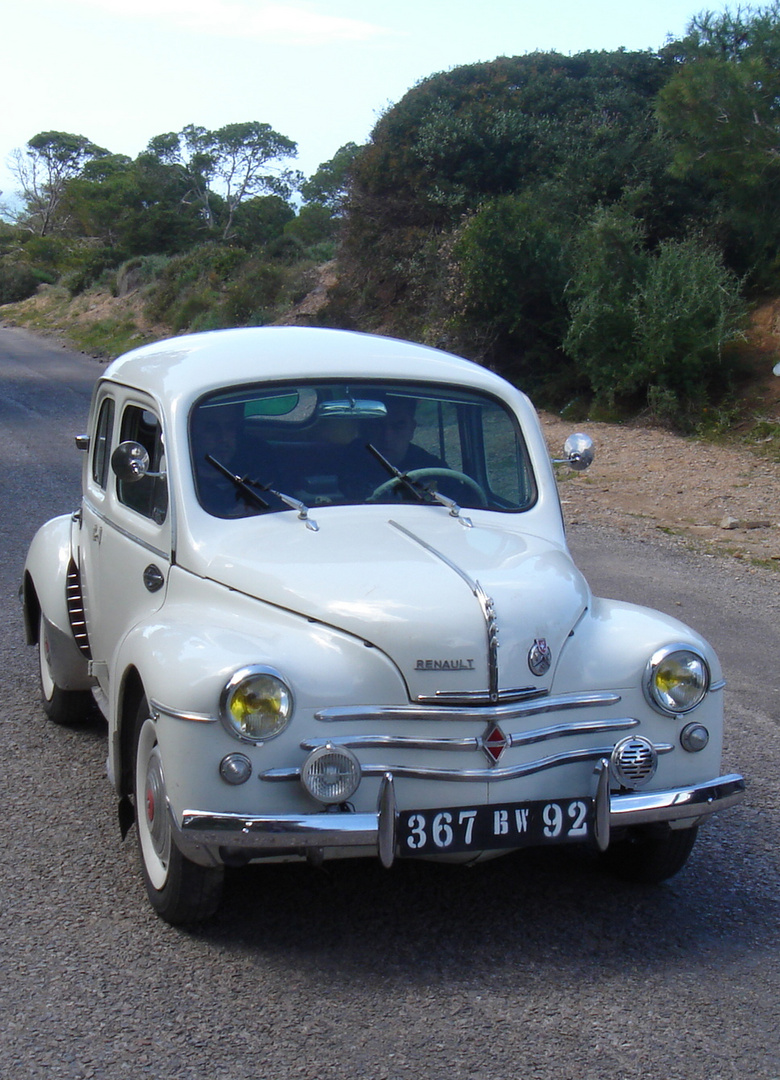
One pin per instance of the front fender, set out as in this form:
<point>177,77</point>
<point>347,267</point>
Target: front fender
<point>611,644</point>
<point>184,655</point>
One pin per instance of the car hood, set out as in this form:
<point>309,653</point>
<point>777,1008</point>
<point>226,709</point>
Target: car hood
<point>458,610</point>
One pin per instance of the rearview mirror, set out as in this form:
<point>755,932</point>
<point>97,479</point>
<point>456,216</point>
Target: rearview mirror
<point>354,408</point>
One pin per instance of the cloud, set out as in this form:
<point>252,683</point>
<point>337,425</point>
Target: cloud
<point>288,24</point>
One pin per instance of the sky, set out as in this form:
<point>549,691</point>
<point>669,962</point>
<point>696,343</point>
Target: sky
<point>320,72</point>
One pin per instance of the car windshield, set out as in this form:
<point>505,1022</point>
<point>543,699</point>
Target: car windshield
<point>261,449</point>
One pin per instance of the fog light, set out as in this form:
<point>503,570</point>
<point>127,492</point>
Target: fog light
<point>634,761</point>
<point>694,737</point>
<point>331,774</point>
<point>235,768</point>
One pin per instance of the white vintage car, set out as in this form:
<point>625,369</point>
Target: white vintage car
<point>319,586</point>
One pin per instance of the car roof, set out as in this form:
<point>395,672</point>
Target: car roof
<point>193,364</point>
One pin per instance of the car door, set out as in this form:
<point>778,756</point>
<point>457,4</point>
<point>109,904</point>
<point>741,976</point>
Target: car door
<point>125,529</point>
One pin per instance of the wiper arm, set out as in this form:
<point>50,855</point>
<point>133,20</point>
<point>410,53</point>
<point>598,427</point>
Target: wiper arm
<point>244,486</point>
<point>295,504</point>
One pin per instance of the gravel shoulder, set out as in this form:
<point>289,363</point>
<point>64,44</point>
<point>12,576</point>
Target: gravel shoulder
<point>647,482</point>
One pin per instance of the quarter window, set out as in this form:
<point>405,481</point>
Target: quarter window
<point>101,456</point>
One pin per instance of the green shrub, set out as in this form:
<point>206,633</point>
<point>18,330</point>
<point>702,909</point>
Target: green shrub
<point>651,326</point>
<point>251,299</point>
<point>140,271</point>
<point>86,266</point>
<point>18,281</point>
<point>191,284</point>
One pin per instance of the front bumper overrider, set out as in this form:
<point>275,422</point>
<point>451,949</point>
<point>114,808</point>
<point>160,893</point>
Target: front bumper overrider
<point>209,838</point>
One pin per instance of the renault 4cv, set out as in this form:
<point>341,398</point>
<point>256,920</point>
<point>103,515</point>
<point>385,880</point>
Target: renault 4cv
<point>319,586</point>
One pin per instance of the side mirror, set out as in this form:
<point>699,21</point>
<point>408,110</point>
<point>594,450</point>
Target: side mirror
<point>579,452</point>
<point>130,462</point>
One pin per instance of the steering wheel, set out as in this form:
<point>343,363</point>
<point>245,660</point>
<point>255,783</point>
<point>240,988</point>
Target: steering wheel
<point>428,473</point>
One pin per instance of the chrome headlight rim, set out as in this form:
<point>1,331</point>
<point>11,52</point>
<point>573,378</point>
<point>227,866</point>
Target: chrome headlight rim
<point>653,692</point>
<point>241,678</point>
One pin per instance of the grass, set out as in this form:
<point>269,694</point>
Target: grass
<point>763,437</point>
<point>94,322</point>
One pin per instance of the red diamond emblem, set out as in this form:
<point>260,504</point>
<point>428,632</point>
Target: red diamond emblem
<point>494,743</point>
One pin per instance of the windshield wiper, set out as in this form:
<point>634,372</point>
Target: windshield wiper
<point>245,486</point>
<point>416,487</point>
<point>420,490</point>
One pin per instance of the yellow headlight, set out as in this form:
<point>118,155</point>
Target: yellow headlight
<point>677,679</point>
<point>256,704</point>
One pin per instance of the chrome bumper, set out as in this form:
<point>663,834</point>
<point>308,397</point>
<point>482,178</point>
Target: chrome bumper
<point>209,838</point>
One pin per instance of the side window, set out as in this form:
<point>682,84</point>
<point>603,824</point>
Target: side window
<point>101,455</point>
<point>149,495</point>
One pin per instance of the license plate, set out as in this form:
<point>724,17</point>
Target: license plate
<point>487,828</point>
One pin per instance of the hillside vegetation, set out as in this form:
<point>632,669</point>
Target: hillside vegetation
<point>597,227</point>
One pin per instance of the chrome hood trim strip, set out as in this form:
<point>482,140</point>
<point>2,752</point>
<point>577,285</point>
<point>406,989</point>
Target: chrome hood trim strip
<point>485,602</point>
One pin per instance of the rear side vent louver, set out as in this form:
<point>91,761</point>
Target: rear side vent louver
<point>75,604</point>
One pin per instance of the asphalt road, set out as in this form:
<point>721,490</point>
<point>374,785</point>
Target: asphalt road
<point>533,966</point>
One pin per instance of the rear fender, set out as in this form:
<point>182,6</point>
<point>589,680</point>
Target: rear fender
<point>43,593</point>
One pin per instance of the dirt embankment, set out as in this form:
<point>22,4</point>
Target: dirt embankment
<point>643,480</point>
<point>723,498</point>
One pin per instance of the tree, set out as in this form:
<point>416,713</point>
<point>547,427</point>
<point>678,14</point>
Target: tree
<point>243,154</point>
<point>137,207</point>
<point>260,221</point>
<point>44,169</point>
<point>720,112</point>
<point>230,165</point>
<point>328,185</point>
<point>459,141</point>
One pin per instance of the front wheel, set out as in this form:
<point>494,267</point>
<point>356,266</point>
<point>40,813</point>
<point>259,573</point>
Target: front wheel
<point>61,706</point>
<point>647,858</point>
<point>180,891</point>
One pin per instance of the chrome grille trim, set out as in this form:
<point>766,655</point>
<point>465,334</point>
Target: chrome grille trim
<point>510,772</point>
<point>75,605</point>
<point>472,742</point>
<point>480,697</point>
<point>497,713</point>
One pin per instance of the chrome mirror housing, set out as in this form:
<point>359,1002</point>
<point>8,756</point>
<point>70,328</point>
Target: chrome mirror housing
<point>130,462</point>
<point>579,452</point>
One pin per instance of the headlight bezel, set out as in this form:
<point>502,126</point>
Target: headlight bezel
<point>661,699</point>
<point>242,679</point>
